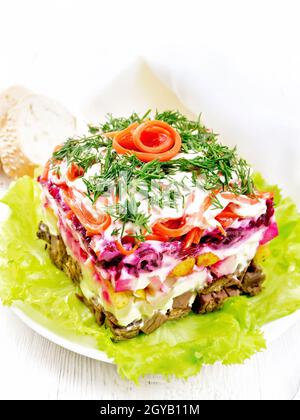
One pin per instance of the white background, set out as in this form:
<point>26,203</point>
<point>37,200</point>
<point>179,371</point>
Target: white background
<point>237,62</point>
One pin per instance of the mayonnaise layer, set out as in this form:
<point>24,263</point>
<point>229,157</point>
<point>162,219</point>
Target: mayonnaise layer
<point>186,203</point>
<point>160,289</point>
<point>235,259</point>
<point>138,310</point>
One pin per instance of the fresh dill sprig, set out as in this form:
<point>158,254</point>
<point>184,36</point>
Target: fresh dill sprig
<point>118,124</point>
<point>214,167</point>
<point>195,136</point>
<point>219,161</point>
<point>116,232</point>
<point>116,169</point>
<point>84,151</point>
<point>218,166</point>
<point>216,204</point>
<point>128,212</point>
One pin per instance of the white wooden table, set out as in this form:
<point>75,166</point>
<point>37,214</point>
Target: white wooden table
<point>34,368</point>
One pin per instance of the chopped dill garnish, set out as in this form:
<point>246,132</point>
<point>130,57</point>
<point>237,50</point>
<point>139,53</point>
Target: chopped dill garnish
<point>118,124</point>
<point>128,212</point>
<point>84,151</point>
<point>115,232</point>
<point>216,204</point>
<point>214,167</point>
<point>194,135</point>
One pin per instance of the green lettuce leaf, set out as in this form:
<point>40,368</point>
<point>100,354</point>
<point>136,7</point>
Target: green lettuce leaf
<point>178,348</point>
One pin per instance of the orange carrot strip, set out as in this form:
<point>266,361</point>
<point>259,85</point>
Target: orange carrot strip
<point>154,237</point>
<point>93,225</point>
<point>265,195</point>
<point>176,232</point>
<point>240,198</point>
<point>124,251</point>
<point>74,171</point>
<point>193,237</point>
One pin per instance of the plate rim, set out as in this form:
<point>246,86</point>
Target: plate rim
<point>272,331</point>
<point>58,339</point>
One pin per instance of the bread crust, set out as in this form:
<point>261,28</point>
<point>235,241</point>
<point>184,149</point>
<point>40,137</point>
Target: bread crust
<point>15,164</point>
<point>15,160</point>
<point>8,99</point>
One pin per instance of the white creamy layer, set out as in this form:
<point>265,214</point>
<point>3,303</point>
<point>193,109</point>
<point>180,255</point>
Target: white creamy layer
<point>237,259</point>
<point>142,309</point>
<point>187,203</point>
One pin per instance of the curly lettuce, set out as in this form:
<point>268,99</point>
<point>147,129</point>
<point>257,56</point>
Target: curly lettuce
<point>179,348</point>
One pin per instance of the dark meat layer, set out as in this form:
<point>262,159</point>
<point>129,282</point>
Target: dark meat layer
<point>208,300</point>
<point>213,297</point>
<point>58,253</point>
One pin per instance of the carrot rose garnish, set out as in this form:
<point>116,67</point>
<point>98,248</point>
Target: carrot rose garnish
<point>151,140</point>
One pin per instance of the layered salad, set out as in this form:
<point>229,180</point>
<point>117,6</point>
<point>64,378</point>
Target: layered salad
<point>154,218</point>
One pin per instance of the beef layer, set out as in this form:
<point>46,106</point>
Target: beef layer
<point>207,300</point>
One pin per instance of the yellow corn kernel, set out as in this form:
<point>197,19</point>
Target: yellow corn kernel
<point>184,268</point>
<point>140,294</point>
<point>206,260</point>
<point>121,299</point>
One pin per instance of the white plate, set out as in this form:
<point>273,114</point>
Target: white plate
<point>87,348</point>
<point>77,344</point>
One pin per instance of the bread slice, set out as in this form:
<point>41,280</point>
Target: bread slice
<point>31,130</point>
<point>9,98</point>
